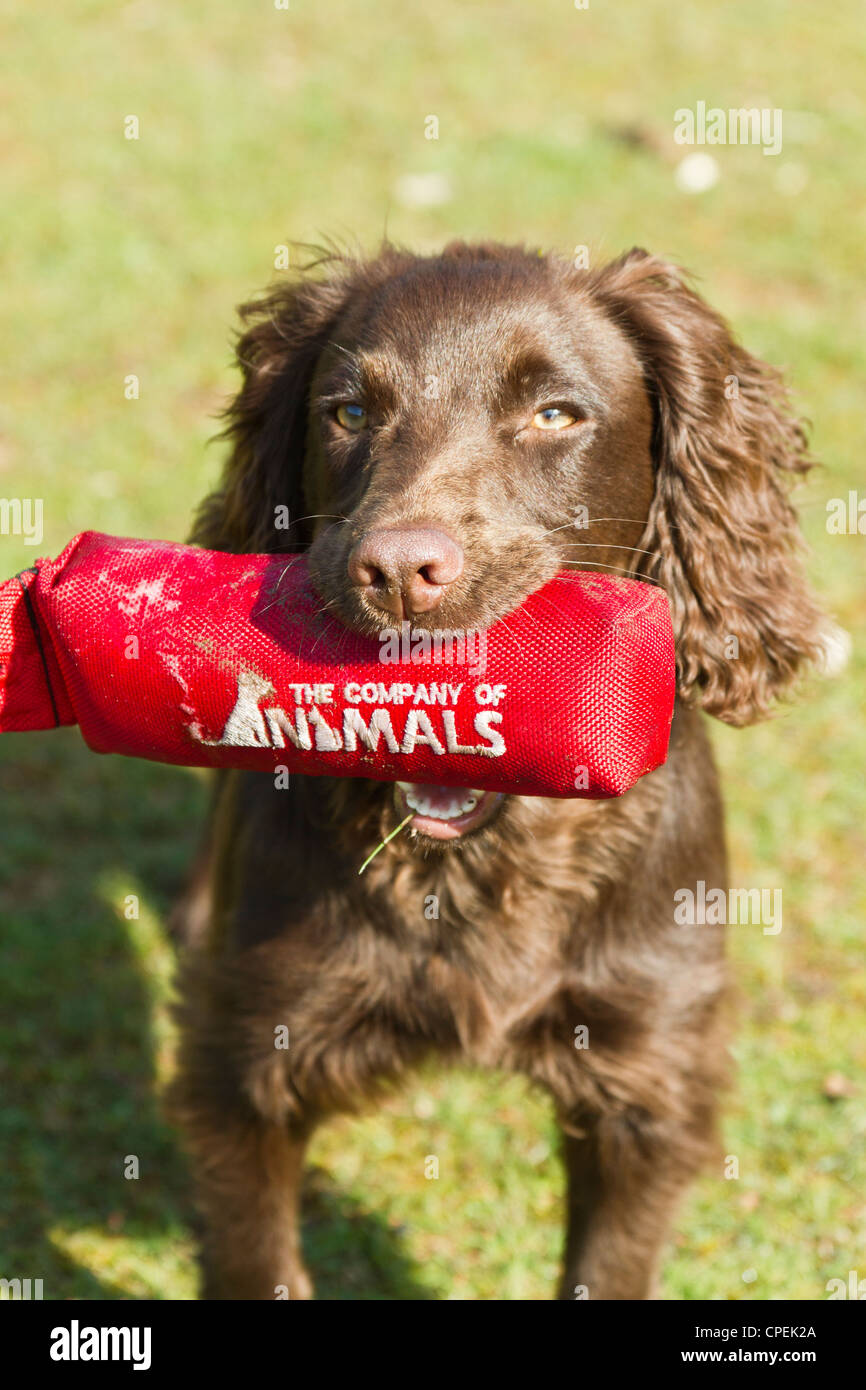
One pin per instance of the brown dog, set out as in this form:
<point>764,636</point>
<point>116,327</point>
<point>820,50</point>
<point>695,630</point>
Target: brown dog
<point>447,433</point>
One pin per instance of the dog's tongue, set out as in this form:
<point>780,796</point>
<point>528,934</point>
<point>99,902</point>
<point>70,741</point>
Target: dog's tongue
<point>444,812</point>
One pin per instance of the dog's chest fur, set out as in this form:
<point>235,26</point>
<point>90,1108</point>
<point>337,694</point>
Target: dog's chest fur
<point>514,961</point>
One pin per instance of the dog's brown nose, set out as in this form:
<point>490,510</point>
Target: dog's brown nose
<point>405,569</point>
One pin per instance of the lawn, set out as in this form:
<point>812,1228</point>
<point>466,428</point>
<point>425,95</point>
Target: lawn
<point>125,257</point>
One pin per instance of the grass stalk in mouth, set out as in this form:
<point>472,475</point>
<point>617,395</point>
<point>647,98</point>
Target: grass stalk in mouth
<point>383,843</point>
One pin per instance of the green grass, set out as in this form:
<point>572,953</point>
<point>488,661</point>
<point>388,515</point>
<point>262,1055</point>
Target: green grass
<point>121,257</point>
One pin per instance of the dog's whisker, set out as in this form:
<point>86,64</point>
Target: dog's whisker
<point>550,604</point>
<point>604,545</point>
<point>269,606</point>
<point>594,520</point>
<point>501,622</point>
<point>331,603</point>
<point>628,574</point>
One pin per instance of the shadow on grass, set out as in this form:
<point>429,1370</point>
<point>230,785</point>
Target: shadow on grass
<point>78,833</point>
<point>353,1254</point>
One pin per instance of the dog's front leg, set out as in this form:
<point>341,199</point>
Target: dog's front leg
<point>624,1182</point>
<point>249,1189</point>
<point>247,1172</point>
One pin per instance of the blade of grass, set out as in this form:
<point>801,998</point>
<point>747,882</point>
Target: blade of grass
<point>383,843</point>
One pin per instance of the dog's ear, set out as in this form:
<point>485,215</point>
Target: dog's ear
<point>284,334</point>
<point>723,533</point>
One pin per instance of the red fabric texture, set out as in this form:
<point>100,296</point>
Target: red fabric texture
<point>196,657</point>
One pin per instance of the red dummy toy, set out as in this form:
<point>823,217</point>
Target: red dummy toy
<point>196,657</point>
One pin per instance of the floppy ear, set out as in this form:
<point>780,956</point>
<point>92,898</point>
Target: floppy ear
<point>724,535</point>
<point>285,333</point>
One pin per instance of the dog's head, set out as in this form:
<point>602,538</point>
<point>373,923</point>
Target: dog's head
<point>447,432</point>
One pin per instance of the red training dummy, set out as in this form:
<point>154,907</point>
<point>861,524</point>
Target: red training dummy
<point>197,657</point>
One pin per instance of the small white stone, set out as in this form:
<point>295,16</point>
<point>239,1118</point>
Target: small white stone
<point>697,173</point>
<point>423,190</point>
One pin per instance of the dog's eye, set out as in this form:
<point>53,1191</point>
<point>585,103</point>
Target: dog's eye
<point>352,417</point>
<point>553,418</point>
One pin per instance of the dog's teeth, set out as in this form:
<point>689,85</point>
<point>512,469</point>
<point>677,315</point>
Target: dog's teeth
<point>462,802</point>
